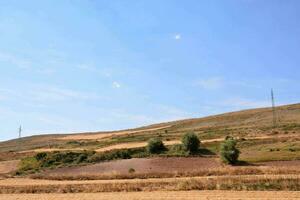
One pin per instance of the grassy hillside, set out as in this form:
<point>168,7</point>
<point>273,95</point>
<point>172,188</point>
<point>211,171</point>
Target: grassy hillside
<point>254,122</point>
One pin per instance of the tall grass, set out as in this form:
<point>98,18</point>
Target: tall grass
<point>287,183</point>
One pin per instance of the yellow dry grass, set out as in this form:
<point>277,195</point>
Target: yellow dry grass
<point>105,135</point>
<point>130,145</point>
<point>161,195</point>
<point>35,182</point>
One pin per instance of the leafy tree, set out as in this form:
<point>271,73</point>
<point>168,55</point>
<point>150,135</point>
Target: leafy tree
<point>155,145</point>
<point>190,142</point>
<point>229,152</point>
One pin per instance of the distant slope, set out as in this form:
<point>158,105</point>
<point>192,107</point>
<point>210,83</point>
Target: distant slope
<point>241,123</point>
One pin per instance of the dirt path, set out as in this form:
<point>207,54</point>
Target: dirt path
<point>161,195</point>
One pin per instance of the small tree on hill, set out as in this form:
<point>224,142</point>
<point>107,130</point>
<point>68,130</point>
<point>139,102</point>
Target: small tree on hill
<point>190,142</point>
<point>155,145</point>
<point>229,152</point>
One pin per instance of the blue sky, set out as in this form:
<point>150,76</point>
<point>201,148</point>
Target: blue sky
<point>68,66</point>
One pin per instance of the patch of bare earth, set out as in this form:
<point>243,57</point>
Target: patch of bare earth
<point>141,165</point>
<point>8,166</point>
<point>161,195</point>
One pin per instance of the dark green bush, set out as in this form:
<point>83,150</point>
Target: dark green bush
<point>40,156</point>
<point>131,170</point>
<point>113,155</point>
<point>155,145</point>
<point>190,142</point>
<point>63,158</point>
<point>228,151</point>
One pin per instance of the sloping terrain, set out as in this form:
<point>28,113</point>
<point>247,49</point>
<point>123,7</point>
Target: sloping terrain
<point>255,122</point>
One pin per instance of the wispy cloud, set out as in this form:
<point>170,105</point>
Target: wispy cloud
<point>86,67</point>
<point>21,63</point>
<point>116,84</point>
<point>210,83</point>
<point>243,103</point>
<point>47,94</point>
<point>92,68</point>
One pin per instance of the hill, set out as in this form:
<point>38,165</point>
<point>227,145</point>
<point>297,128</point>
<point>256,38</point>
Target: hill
<point>254,122</point>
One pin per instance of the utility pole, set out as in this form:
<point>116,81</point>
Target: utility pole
<point>20,136</point>
<point>273,108</point>
<point>20,132</point>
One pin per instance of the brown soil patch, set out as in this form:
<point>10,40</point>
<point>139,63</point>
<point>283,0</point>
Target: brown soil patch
<point>142,165</point>
<point>161,195</point>
<point>8,166</point>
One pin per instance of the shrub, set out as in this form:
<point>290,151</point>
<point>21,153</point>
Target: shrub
<point>177,149</point>
<point>113,155</point>
<point>131,170</point>
<point>27,165</point>
<point>40,156</point>
<point>190,142</point>
<point>229,152</point>
<point>155,146</point>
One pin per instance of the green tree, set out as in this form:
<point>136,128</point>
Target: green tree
<point>190,142</point>
<point>229,152</point>
<point>155,145</point>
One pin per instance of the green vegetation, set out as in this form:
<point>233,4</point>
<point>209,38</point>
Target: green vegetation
<point>44,160</point>
<point>190,142</point>
<point>270,150</point>
<point>62,159</point>
<point>131,170</point>
<point>228,151</point>
<point>112,155</point>
<point>155,146</point>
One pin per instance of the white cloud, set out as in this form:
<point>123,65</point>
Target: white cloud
<point>177,36</point>
<point>14,60</point>
<point>242,103</point>
<point>170,113</point>
<point>210,83</point>
<point>46,94</point>
<point>91,68</point>
<point>86,67</point>
<point>46,71</point>
<point>115,84</point>
<point>61,94</point>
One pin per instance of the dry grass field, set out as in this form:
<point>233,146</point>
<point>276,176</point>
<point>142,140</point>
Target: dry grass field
<point>270,167</point>
<point>162,195</point>
<point>248,123</point>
